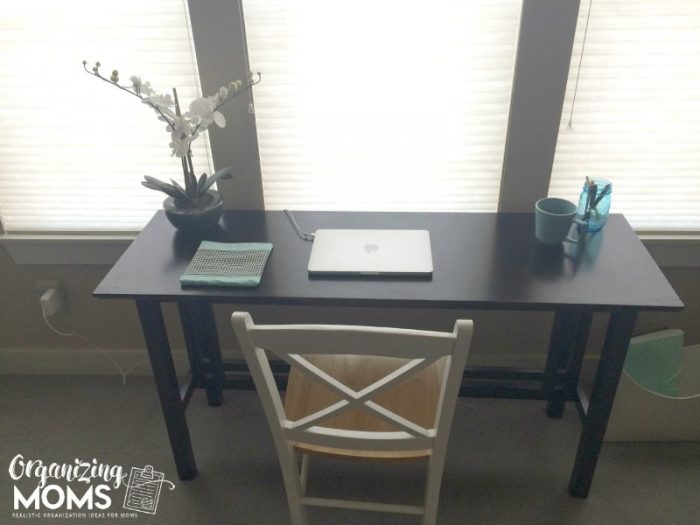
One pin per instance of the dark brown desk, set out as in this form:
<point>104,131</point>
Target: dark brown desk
<point>481,261</point>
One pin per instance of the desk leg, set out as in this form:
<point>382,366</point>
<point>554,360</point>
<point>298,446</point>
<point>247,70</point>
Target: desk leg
<point>566,347</point>
<point>607,377</point>
<point>156,337</point>
<point>202,340</point>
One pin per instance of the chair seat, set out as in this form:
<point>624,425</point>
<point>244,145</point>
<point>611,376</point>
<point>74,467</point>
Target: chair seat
<point>414,399</point>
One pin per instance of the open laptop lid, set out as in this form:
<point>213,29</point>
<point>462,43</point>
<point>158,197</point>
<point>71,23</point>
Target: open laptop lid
<point>371,252</point>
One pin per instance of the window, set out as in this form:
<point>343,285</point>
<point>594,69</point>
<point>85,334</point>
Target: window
<point>636,117</point>
<point>373,105</point>
<point>75,149</point>
<point>382,105</point>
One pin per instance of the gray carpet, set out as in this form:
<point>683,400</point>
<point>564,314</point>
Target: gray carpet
<point>507,462</point>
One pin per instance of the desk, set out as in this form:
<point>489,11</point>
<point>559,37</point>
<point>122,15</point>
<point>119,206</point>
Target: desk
<point>481,261</point>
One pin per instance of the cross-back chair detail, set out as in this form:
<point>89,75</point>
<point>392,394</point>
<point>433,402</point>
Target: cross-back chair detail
<point>416,352</point>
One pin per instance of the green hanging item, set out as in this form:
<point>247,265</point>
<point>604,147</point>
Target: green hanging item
<point>654,361</point>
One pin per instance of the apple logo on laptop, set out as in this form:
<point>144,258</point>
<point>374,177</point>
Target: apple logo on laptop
<point>369,248</point>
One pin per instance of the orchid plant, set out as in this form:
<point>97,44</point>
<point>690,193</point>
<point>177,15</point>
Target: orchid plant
<point>183,128</point>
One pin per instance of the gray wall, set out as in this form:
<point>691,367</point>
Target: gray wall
<point>28,346</point>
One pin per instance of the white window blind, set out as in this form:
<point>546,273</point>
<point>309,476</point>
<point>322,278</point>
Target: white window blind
<point>391,105</point>
<point>636,118</point>
<point>73,148</point>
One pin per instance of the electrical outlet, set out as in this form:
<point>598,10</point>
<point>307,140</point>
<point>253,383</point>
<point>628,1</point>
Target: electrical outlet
<point>51,303</point>
<point>41,286</point>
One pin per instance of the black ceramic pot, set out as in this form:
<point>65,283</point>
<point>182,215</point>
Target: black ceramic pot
<point>198,219</point>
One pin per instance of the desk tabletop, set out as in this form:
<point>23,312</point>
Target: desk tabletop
<point>481,261</point>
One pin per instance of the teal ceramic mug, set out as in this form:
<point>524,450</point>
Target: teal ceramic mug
<point>553,219</point>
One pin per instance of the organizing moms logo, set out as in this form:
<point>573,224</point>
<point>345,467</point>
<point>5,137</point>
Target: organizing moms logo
<point>144,489</point>
<point>82,489</point>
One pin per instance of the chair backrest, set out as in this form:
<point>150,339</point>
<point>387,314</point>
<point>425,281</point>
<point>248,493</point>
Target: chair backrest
<point>297,344</point>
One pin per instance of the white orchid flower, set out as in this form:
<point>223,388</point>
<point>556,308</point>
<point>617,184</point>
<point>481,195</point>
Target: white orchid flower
<point>181,135</point>
<point>161,104</point>
<point>164,102</point>
<point>136,83</point>
<point>180,144</point>
<point>180,125</point>
<point>205,110</point>
<point>146,89</point>
<point>140,87</point>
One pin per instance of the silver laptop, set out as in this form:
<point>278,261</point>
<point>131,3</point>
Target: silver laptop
<point>371,252</point>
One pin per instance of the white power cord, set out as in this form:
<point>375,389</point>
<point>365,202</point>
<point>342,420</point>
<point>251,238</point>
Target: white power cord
<point>301,233</point>
<point>122,372</point>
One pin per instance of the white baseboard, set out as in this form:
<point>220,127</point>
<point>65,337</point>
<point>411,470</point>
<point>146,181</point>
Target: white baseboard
<point>71,361</point>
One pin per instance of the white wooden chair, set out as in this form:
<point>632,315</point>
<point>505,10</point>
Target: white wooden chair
<point>359,392</point>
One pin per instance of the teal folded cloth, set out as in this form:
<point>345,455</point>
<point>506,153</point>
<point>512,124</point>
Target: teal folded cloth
<point>227,264</point>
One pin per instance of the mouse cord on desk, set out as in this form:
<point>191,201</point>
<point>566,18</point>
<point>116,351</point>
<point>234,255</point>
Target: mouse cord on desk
<point>303,234</point>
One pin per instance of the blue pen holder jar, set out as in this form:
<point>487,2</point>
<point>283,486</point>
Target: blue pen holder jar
<point>594,208</point>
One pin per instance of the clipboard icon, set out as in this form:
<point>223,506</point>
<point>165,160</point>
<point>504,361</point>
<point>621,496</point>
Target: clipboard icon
<point>143,489</point>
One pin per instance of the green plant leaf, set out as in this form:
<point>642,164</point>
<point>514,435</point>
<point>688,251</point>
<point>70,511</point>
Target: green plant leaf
<point>226,173</point>
<point>183,194</point>
<point>156,182</point>
<point>190,184</point>
<point>170,189</point>
<point>200,184</point>
<point>166,188</point>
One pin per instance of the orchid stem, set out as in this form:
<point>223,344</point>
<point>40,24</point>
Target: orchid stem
<point>235,94</point>
<point>97,74</point>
